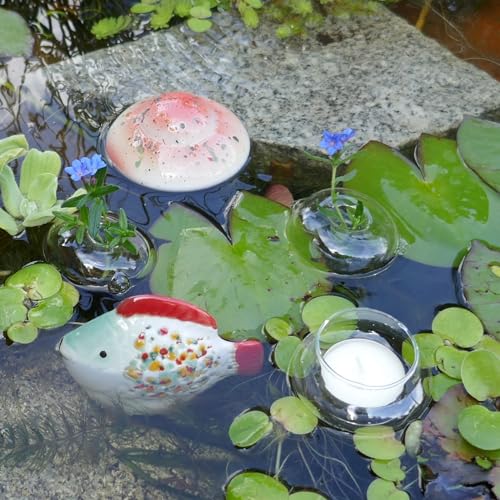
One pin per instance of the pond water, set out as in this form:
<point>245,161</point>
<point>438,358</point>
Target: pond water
<point>54,443</point>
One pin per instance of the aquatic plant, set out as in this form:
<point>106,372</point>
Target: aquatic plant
<point>93,215</point>
<point>33,298</point>
<point>34,202</point>
<point>15,36</point>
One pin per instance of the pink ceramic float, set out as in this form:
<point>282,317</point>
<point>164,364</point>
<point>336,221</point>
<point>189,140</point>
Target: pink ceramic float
<point>177,142</point>
<point>152,352</point>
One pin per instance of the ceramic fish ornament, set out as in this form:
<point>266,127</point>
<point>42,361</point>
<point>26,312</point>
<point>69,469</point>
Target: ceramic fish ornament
<point>151,351</point>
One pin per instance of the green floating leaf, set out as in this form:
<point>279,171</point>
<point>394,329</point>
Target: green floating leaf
<point>378,442</point>
<point>460,326</point>
<point>413,434</point>
<point>200,12</point>
<point>249,428</point>
<point>306,495</point>
<point>437,385</point>
<point>435,217</point>
<point>479,144</point>
<point>278,328</point>
<point>40,281</point>
<point>12,309</point>
<point>15,35</point>
<point>481,284</point>
<point>488,343</point>
<point>388,469</point>
<point>255,485</point>
<point>22,333</point>
<point>241,283</point>
<point>319,309</point>
<point>449,360</point>
<point>480,427</point>
<point>142,8</point>
<point>427,344</point>
<point>199,25</point>
<point>292,358</point>
<point>294,414</point>
<point>380,489</point>
<point>481,375</point>
<point>110,26</point>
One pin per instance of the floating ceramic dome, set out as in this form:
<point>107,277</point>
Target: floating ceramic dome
<point>177,142</point>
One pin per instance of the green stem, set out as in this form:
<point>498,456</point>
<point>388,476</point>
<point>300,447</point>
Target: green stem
<point>334,195</point>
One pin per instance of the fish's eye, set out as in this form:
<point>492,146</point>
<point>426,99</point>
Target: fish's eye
<point>103,354</point>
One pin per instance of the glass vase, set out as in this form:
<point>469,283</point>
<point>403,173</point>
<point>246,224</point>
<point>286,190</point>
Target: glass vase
<point>350,238</point>
<point>94,266</point>
<point>361,368</point>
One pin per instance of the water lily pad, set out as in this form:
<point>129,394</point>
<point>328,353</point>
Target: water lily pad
<point>480,427</point>
<point>255,485</point>
<point>56,310</point>
<point>479,144</point>
<point>249,428</point>
<point>15,35</point>
<point>40,281</point>
<point>380,489</point>
<point>12,309</point>
<point>437,385</point>
<point>242,283</point>
<point>388,469</point>
<point>413,434</point>
<point>22,333</point>
<point>294,415</point>
<point>319,309</point>
<point>291,357</point>
<point>488,343</point>
<point>481,284</point>
<point>459,326</point>
<point>449,360</point>
<point>378,442</point>
<point>278,328</point>
<point>427,344</point>
<point>306,495</point>
<point>481,375</point>
<point>438,207</point>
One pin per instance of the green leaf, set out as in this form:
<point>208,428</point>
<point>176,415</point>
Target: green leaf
<point>449,360</point>
<point>43,191</point>
<point>427,344</point>
<point>255,4</point>
<point>12,309</point>
<point>413,434</point>
<point>480,427</point>
<point>11,195</point>
<point>249,15</point>
<point>200,13</point>
<point>239,283</point>
<point>488,343</point>
<point>249,428</point>
<point>380,489</point>
<point>15,35</point>
<point>306,495</point>
<point>378,442</point>
<point>437,218</point>
<point>278,328</point>
<point>199,25</point>
<point>160,20</point>
<point>437,385</point>
<point>388,469</point>
<point>460,326</point>
<point>479,144</point>
<point>12,147</point>
<point>294,415</point>
<point>481,284</point>
<point>292,358</point>
<point>319,309</point>
<point>35,164</point>
<point>8,223</point>
<point>255,485</point>
<point>182,8</point>
<point>142,8</point>
<point>481,374</point>
<point>40,281</point>
<point>22,333</point>
<point>110,26</point>
<point>38,218</point>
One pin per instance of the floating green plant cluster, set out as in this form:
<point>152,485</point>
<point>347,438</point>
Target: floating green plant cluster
<point>293,17</point>
<point>33,298</point>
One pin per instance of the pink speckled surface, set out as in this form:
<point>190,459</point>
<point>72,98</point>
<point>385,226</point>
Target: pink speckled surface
<point>177,142</point>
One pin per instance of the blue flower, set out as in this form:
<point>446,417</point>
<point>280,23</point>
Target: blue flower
<point>85,167</point>
<point>333,142</point>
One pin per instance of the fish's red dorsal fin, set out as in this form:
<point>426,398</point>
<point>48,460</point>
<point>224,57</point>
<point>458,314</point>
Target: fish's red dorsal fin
<point>156,305</point>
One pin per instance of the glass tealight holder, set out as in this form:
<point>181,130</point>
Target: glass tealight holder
<point>351,233</point>
<point>361,368</point>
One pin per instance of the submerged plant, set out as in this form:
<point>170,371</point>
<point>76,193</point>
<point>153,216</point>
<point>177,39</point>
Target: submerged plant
<point>33,298</point>
<point>93,215</point>
<point>34,201</point>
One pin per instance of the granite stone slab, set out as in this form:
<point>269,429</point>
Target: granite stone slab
<point>375,73</point>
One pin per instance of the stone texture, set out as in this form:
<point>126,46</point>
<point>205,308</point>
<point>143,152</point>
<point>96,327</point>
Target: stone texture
<point>373,73</point>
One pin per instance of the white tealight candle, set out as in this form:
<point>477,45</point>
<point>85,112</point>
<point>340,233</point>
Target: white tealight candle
<point>367,363</point>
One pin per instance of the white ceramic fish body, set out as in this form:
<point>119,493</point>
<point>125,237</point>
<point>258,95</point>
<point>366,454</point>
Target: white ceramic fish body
<point>152,352</point>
